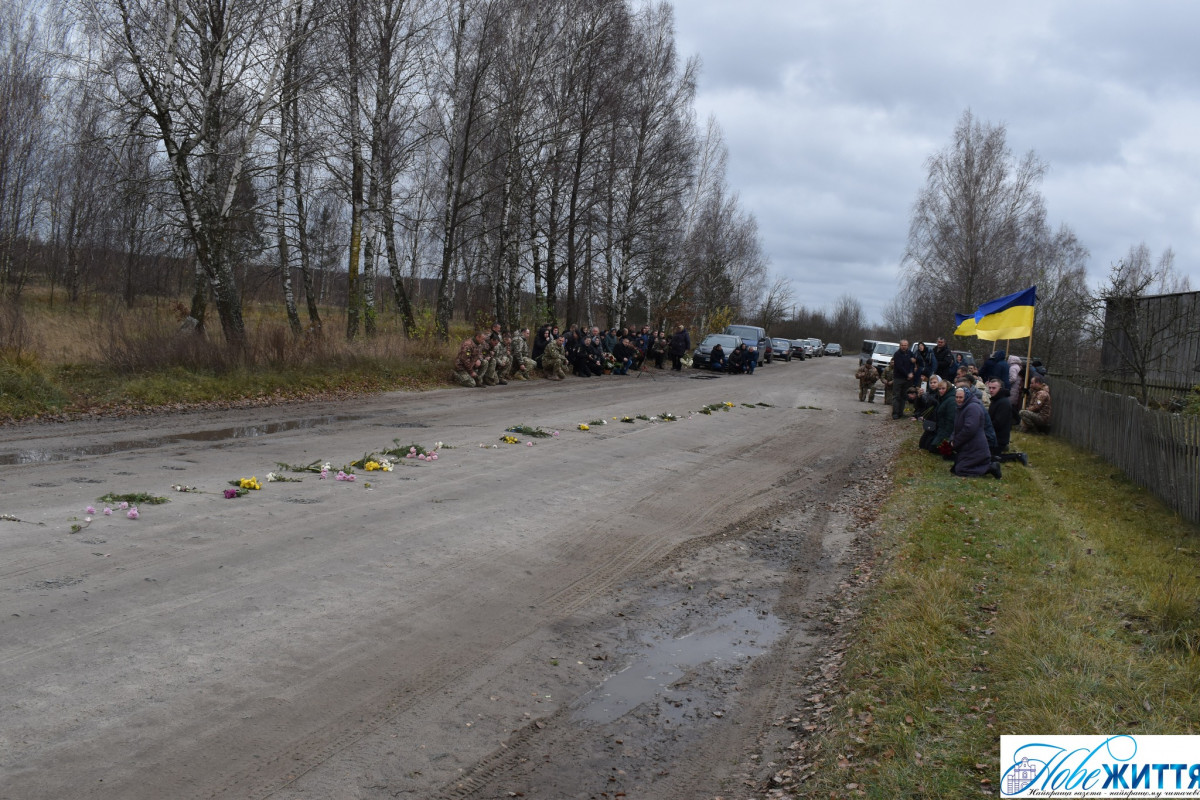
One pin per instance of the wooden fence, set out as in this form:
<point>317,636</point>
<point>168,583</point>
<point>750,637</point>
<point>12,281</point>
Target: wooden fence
<point>1157,450</point>
<point>1160,395</point>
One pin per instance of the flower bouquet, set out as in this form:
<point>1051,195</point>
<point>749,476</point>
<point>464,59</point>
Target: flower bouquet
<point>525,430</point>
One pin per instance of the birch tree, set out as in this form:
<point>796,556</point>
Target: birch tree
<point>206,75</point>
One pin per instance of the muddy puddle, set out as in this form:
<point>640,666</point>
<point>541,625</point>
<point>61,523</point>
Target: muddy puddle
<point>732,639</point>
<point>41,456</point>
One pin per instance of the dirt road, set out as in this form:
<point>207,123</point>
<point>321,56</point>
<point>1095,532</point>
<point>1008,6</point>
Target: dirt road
<point>619,612</point>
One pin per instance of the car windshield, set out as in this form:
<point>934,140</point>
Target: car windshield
<point>726,342</point>
<point>882,349</point>
<point>744,331</point>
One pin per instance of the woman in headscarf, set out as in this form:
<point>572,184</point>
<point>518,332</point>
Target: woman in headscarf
<point>973,457</point>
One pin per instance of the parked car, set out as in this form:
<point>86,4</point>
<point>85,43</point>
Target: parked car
<point>881,354</point>
<point>753,336</point>
<point>833,349</point>
<point>818,346</point>
<point>781,348</point>
<point>967,358</point>
<point>807,345</point>
<point>700,357</point>
<point>798,349</point>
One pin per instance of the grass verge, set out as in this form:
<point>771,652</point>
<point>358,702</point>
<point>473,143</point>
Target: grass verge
<point>104,359</point>
<point>1061,600</point>
<point>28,390</point>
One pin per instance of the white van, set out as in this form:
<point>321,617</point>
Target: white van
<point>882,352</point>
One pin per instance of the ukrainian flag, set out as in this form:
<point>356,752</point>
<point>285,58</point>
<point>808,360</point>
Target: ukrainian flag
<point>1009,317</point>
<point>964,324</point>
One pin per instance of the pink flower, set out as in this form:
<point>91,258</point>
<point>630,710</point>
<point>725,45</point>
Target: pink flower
<point>132,513</point>
<point>324,474</point>
<point>108,512</point>
<point>554,434</point>
<point>229,495</point>
<point>412,450</point>
<point>124,505</point>
<point>350,478</point>
<point>90,510</point>
<point>409,454</point>
<point>433,457</point>
<point>529,444</point>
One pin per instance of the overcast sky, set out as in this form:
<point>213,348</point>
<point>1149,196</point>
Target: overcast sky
<point>830,110</point>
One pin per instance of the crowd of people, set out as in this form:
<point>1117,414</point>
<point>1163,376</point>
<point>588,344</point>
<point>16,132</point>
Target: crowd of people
<point>968,413</point>
<point>495,357</point>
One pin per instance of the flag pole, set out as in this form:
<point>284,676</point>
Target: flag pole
<point>1029,364</point>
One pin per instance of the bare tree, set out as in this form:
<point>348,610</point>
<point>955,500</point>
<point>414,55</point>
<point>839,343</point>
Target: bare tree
<point>206,75</point>
<point>25,78</point>
<point>776,303</point>
<point>977,223</point>
<point>847,321</point>
<point>1139,331</point>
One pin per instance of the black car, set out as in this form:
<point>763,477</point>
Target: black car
<point>781,348</point>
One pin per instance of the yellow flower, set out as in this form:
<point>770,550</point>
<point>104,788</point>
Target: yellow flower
<point>249,483</point>
<point>584,427</point>
<point>728,404</point>
<point>371,466</point>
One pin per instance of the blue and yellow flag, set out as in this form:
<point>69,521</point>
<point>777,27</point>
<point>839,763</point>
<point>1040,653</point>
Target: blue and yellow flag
<point>964,324</point>
<point>1009,317</point>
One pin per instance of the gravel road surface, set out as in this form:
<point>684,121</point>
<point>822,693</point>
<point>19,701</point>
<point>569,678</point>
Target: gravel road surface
<point>622,612</point>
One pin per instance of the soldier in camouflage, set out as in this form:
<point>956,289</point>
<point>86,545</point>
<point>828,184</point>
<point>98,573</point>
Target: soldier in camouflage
<point>469,362</point>
<point>503,356</point>
<point>888,379</point>
<point>867,376</point>
<point>522,365</point>
<point>488,369</point>
<point>554,360</point>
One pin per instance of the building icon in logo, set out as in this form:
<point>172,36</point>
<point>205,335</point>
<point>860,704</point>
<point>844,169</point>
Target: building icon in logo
<point>1020,776</point>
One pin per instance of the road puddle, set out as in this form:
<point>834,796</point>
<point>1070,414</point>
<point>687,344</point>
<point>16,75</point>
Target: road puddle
<point>42,456</point>
<point>731,639</point>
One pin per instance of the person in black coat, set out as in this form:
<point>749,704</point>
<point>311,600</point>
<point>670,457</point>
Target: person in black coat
<point>945,360</point>
<point>996,366</point>
<point>681,343</point>
<point>716,359</point>
<point>1000,411</point>
<point>737,359</point>
<point>624,353</point>
<point>539,344</point>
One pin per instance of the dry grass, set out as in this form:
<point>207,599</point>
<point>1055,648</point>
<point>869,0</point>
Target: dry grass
<point>1062,599</point>
<point>99,355</point>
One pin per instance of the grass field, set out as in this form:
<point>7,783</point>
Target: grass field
<point>1060,600</point>
<point>98,357</point>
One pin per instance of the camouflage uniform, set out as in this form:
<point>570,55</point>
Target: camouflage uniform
<point>467,364</point>
<point>867,376</point>
<point>487,369</point>
<point>522,365</point>
<point>554,361</point>
<point>1036,418</point>
<point>888,379</point>
<point>503,358</point>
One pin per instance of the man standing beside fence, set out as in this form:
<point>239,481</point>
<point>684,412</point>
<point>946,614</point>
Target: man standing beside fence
<point>1036,418</point>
